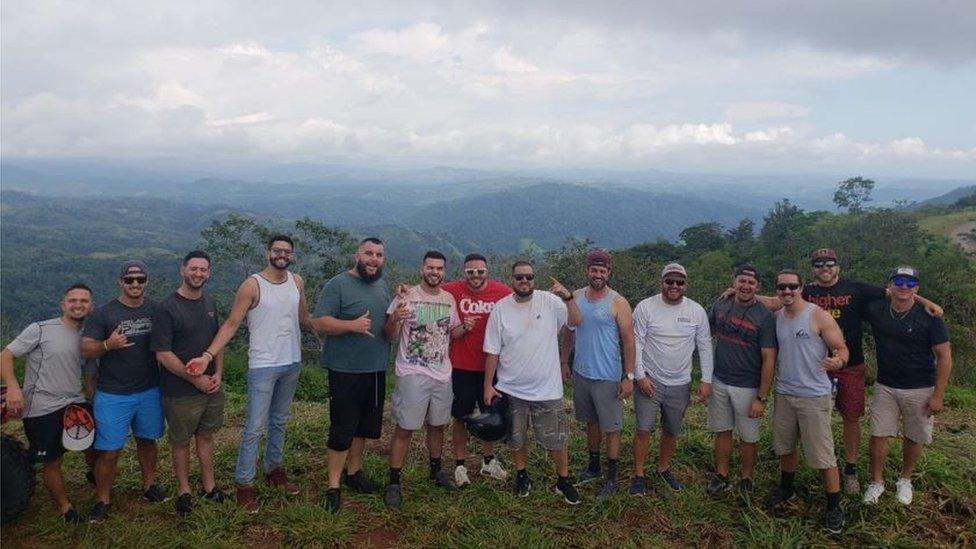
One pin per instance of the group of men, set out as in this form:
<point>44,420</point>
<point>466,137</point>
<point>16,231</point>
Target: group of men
<point>464,345</point>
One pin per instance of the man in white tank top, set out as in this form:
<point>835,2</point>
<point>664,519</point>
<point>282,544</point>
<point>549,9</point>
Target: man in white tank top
<point>273,302</point>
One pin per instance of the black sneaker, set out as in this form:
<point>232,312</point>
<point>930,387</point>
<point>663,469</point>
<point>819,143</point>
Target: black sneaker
<point>669,479</point>
<point>99,512</point>
<point>779,495</point>
<point>214,496</point>
<point>718,485</point>
<point>569,493</point>
<point>442,480</point>
<point>523,485</point>
<point>360,483</point>
<point>589,475</point>
<point>333,500</point>
<point>394,496</point>
<point>638,486</point>
<point>834,520</point>
<point>184,504</point>
<point>745,488</point>
<point>608,490</point>
<point>72,517</point>
<point>155,494</point>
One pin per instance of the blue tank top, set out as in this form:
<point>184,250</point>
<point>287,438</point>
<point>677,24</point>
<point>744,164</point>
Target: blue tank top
<point>799,368</point>
<point>597,339</point>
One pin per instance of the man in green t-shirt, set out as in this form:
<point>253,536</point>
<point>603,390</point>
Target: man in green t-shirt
<point>351,311</point>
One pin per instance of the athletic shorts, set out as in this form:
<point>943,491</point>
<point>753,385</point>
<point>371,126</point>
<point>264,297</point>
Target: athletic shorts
<point>355,407</point>
<point>469,391</point>
<point>44,434</point>
<point>889,404</point>
<point>548,422</point>
<point>667,406</point>
<point>728,409</point>
<point>807,420</point>
<point>420,399</point>
<point>850,391</point>
<point>598,401</point>
<point>193,415</point>
<point>115,415</point>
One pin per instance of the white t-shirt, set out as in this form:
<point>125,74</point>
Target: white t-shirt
<point>425,335</point>
<point>525,338</point>
<point>666,336</point>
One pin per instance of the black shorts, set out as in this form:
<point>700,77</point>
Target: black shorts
<point>355,407</point>
<point>469,390</point>
<point>44,434</point>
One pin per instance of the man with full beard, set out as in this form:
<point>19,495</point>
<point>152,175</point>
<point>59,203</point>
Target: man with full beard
<point>273,302</point>
<point>355,354</point>
<point>424,318</point>
<point>183,325</point>
<point>603,376</point>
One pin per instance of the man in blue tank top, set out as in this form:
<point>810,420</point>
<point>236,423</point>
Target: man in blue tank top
<point>811,344</point>
<point>599,385</point>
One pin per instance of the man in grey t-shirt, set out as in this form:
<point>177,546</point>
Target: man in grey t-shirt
<point>52,381</point>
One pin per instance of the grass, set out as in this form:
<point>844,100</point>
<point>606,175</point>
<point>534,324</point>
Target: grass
<point>487,514</point>
<point>942,224</point>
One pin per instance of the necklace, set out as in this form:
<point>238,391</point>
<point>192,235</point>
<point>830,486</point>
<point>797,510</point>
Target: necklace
<point>898,315</point>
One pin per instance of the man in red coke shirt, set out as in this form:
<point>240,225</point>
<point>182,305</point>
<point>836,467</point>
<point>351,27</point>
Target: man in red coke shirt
<point>476,296</point>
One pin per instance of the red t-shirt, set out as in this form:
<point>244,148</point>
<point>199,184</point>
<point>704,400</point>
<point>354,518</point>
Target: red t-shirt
<point>466,351</point>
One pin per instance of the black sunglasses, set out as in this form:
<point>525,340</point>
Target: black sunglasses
<point>674,282</point>
<point>521,277</point>
<point>792,286</point>
<point>821,264</point>
<point>134,279</point>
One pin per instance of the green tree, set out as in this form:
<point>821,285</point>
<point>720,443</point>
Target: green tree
<point>702,237</point>
<point>853,193</point>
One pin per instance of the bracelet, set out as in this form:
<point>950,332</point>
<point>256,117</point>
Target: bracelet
<point>209,354</point>
<point>105,344</point>
<point>568,299</point>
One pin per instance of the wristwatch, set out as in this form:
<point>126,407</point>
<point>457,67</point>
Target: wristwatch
<point>630,376</point>
<point>761,399</point>
<point>567,299</point>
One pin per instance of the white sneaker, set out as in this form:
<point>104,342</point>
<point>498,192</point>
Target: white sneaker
<point>873,493</point>
<point>494,470</point>
<point>461,476</point>
<point>904,490</point>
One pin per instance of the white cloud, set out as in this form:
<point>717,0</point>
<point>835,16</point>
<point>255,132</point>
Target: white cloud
<point>751,111</point>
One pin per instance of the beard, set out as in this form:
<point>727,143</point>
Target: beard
<point>364,275</point>
<point>273,262</point>
<point>521,293</point>
<point>433,281</point>
<point>598,284</point>
<point>189,282</point>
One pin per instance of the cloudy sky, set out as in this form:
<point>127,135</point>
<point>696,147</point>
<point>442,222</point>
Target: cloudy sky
<point>866,86</point>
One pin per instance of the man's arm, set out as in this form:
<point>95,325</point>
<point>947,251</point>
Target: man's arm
<point>15,397</point>
<point>567,340</point>
<point>773,304</point>
<point>171,362</point>
<point>930,307</point>
<point>574,317</point>
<point>943,367</point>
<point>703,341</point>
<point>832,335</point>
<point>304,317</point>
<point>246,298</point>
<point>625,326</point>
<point>491,365</point>
<point>757,407</point>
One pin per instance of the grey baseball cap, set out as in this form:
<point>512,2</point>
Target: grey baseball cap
<point>133,266</point>
<point>674,268</point>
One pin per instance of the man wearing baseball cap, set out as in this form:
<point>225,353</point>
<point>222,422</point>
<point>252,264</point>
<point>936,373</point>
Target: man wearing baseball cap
<point>128,397</point>
<point>914,362</point>
<point>602,375</point>
<point>667,329</point>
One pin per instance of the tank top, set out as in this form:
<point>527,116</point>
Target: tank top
<point>799,370</point>
<point>597,339</point>
<point>275,335</point>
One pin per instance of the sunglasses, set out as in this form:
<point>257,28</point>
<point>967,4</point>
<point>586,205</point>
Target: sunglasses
<point>472,272</point>
<point>903,281</point>
<point>674,282</point>
<point>281,251</point>
<point>783,287</point>
<point>521,277</point>
<point>134,279</point>
<point>822,264</point>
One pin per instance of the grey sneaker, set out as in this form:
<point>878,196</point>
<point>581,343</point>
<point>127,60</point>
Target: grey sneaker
<point>638,486</point>
<point>589,475</point>
<point>608,490</point>
<point>851,485</point>
<point>394,496</point>
<point>669,479</point>
<point>718,485</point>
<point>443,480</point>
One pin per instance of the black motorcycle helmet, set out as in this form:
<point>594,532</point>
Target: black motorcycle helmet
<point>492,424</point>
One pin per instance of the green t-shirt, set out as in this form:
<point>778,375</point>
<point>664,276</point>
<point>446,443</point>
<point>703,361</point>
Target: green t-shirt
<point>347,297</point>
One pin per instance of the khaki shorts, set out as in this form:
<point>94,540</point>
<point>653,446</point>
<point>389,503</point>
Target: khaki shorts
<point>419,397</point>
<point>807,420</point>
<point>888,404</point>
<point>728,408</point>
<point>548,422</point>
<point>192,415</point>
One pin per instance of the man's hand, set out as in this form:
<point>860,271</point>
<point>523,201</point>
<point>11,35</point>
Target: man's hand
<point>15,401</point>
<point>559,289</point>
<point>215,384</point>
<point>491,394</point>
<point>203,383</point>
<point>117,340</point>
<point>832,363</point>
<point>362,325</point>
<point>704,391</point>
<point>196,366</point>
<point>932,407</point>
<point>934,310</point>
<point>567,372</point>
<point>626,389</point>
<point>729,292</point>
<point>756,409</point>
<point>645,386</point>
<point>469,322</point>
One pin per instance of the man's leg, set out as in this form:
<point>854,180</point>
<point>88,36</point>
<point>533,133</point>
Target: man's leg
<point>181,466</point>
<point>205,453</point>
<point>337,460</point>
<point>642,443</point>
<point>723,452</point>
<point>459,440</point>
<point>852,440</point>
<point>278,413</point>
<point>669,444</point>
<point>148,454</point>
<point>54,484</point>
<point>749,452</point>
<point>435,441</point>
<point>561,459</point>
<point>260,388</point>
<point>613,445</point>
<point>106,468</point>
<point>521,457</point>
<point>910,452</point>
<point>879,453</point>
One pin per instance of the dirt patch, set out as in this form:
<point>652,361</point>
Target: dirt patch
<point>261,536</point>
<point>962,235</point>
<point>383,536</point>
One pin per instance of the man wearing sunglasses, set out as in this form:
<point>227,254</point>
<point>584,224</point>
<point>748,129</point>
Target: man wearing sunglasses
<point>668,327</point>
<point>811,344</point>
<point>476,296</point>
<point>914,363</point>
<point>522,345</point>
<point>128,397</point>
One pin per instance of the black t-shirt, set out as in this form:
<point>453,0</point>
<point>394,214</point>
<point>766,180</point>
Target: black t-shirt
<point>846,301</point>
<point>186,327</point>
<point>905,357</point>
<point>740,335</point>
<point>130,369</point>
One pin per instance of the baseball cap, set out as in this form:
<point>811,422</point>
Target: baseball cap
<point>79,429</point>
<point>674,268</point>
<point>598,258</point>
<point>133,266</point>
<point>748,270</point>
<point>823,253</point>
<point>904,270</point>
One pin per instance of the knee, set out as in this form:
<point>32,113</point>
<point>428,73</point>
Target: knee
<point>145,443</point>
<point>109,456</point>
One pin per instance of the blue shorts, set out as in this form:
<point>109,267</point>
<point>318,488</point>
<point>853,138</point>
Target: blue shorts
<point>115,414</point>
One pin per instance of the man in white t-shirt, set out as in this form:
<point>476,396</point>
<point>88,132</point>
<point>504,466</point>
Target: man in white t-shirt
<point>425,318</point>
<point>522,345</point>
<point>667,328</point>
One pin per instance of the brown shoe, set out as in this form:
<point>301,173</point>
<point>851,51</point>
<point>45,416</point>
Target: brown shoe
<point>246,499</point>
<point>279,478</point>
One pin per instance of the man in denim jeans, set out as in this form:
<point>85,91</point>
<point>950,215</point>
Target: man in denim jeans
<point>273,302</point>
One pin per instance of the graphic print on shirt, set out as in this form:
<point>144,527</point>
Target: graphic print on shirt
<point>135,327</point>
<point>428,333</point>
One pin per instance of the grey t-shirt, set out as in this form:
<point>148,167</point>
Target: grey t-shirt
<point>131,369</point>
<point>740,335</point>
<point>347,297</point>
<point>52,375</point>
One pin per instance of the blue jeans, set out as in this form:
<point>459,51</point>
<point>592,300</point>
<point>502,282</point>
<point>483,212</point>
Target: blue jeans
<point>269,395</point>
